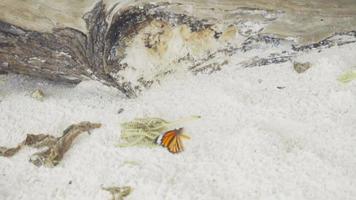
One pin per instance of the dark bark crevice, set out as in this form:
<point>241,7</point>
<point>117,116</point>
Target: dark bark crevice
<point>67,54</point>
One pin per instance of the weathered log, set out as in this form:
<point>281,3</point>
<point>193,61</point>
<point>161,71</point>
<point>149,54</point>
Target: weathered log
<point>132,45</point>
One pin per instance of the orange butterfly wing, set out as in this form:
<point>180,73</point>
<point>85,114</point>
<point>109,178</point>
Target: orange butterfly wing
<point>176,145</point>
<point>168,138</point>
<point>172,141</point>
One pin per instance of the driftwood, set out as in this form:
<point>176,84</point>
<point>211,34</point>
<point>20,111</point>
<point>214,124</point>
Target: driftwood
<point>56,146</point>
<point>135,44</point>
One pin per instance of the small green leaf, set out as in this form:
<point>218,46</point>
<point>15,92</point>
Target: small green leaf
<point>347,77</point>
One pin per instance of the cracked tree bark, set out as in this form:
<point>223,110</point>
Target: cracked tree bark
<point>67,54</point>
<point>64,54</point>
<point>98,50</point>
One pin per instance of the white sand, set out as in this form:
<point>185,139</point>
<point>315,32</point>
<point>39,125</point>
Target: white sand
<point>254,141</point>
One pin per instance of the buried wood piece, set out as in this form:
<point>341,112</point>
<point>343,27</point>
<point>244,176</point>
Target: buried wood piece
<point>8,152</point>
<point>35,141</point>
<point>120,111</point>
<point>56,146</point>
<point>301,67</point>
<point>118,193</point>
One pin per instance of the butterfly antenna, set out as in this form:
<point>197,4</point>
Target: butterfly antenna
<point>183,120</point>
<point>185,136</point>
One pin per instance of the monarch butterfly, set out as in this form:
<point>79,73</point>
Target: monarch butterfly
<point>172,140</point>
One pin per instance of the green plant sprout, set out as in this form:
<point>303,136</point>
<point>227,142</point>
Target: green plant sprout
<point>144,131</point>
<point>347,77</point>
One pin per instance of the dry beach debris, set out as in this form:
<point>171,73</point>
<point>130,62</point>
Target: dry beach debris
<point>301,67</point>
<point>56,146</point>
<point>38,95</point>
<point>145,131</point>
<point>120,111</point>
<point>142,131</point>
<point>118,193</point>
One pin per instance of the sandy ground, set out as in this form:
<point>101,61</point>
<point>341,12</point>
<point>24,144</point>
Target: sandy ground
<point>254,141</point>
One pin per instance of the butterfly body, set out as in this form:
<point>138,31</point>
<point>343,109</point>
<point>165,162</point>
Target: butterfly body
<point>172,140</point>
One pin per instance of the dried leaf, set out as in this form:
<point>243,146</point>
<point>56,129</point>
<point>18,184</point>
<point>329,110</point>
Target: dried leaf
<point>56,147</point>
<point>144,131</point>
